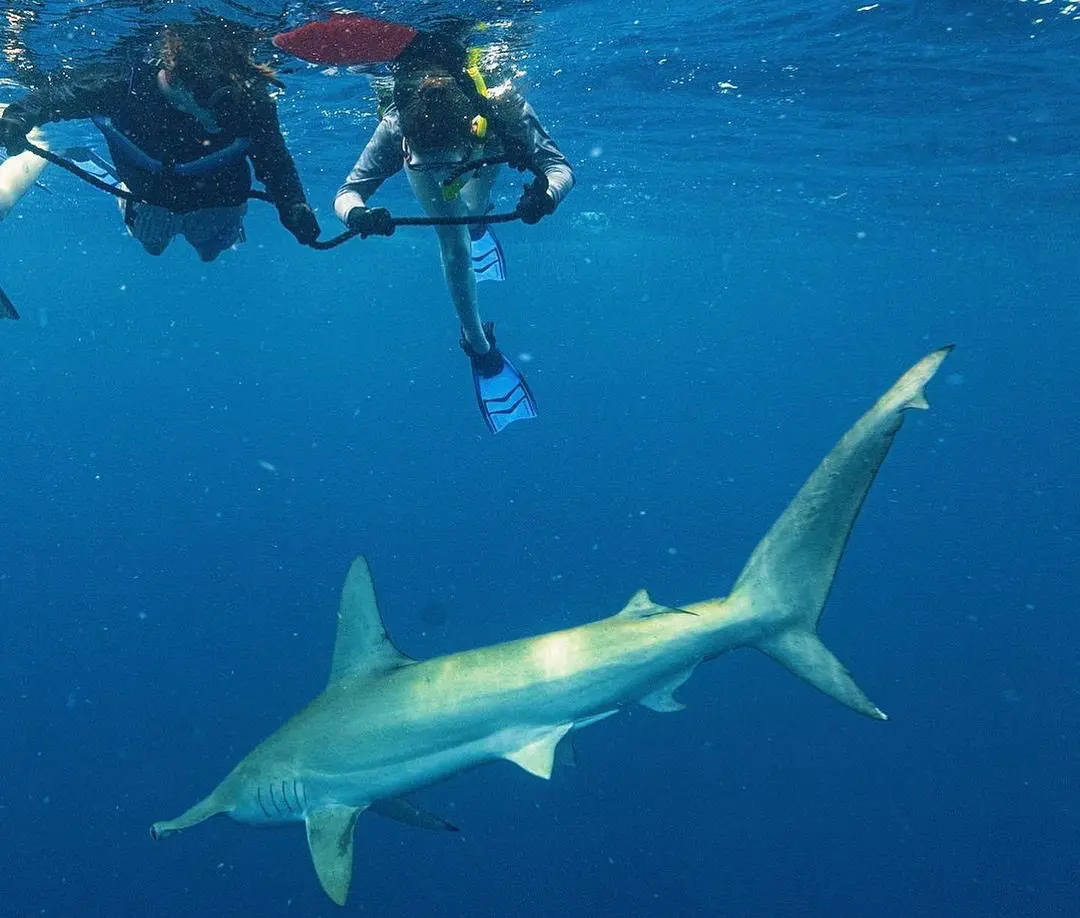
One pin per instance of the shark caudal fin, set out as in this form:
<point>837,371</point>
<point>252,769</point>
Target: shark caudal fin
<point>788,577</point>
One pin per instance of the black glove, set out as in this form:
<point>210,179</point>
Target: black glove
<point>370,221</point>
<point>534,205</point>
<point>299,220</point>
<point>13,133</point>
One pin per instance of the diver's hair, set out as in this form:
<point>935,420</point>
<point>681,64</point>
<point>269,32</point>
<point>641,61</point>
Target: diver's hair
<point>209,55</point>
<point>434,111</point>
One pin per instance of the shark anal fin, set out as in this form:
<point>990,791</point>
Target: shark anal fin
<point>538,757</point>
<point>401,810</point>
<point>330,839</point>
<point>362,645</point>
<point>663,698</point>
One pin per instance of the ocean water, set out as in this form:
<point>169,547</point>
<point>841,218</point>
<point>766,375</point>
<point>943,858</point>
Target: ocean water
<point>778,210</point>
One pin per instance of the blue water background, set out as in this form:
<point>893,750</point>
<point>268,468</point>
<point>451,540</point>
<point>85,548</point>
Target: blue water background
<point>192,454</point>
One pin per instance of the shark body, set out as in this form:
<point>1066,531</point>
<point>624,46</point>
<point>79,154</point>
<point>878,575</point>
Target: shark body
<point>387,725</point>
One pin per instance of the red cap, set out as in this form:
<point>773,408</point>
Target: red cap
<point>344,40</point>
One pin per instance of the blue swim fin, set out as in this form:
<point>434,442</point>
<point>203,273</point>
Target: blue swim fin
<point>89,161</point>
<point>488,260</point>
<point>501,391</point>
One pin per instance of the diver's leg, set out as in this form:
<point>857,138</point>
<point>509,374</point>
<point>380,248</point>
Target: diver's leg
<point>454,246</point>
<point>212,230</point>
<point>476,195</point>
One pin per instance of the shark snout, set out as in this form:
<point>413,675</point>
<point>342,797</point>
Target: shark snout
<point>202,810</point>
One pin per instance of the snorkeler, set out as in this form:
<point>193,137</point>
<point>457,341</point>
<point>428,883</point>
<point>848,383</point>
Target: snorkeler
<point>441,117</point>
<point>181,128</point>
<point>18,173</point>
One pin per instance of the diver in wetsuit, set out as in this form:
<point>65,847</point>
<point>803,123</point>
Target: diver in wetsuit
<point>443,116</point>
<point>181,129</point>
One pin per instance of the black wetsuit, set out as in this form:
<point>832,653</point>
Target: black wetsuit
<point>136,109</point>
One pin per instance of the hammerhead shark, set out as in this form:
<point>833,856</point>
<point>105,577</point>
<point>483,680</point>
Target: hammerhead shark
<point>387,725</point>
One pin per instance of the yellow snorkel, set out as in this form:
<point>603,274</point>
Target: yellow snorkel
<point>478,127</point>
<point>472,69</point>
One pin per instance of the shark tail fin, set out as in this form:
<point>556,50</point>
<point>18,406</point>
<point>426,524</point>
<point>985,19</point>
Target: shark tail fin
<point>789,575</point>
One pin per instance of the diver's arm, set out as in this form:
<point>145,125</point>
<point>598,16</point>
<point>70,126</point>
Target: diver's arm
<point>382,158</point>
<point>273,164</point>
<point>96,89</point>
<point>524,125</point>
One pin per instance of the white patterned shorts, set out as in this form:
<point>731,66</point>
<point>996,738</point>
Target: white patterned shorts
<point>210,231</point>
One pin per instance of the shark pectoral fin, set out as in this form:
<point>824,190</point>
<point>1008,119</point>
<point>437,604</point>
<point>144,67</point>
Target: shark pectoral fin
<point>538,757</point>
<point>401,810</point>
<point>330,838</point>
<point>807,657</point>
<point>663,698</point>
<point>362,645</point>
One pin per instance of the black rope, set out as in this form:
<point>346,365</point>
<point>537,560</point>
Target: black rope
<point>320,246</point>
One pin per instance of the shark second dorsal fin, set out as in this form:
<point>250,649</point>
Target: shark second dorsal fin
<point>362,645</point>
<point>330,839</point>
<point>642,606</point>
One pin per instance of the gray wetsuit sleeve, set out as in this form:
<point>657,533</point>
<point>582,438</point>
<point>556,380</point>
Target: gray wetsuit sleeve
<point>382,157</point>
<point>522,122</point>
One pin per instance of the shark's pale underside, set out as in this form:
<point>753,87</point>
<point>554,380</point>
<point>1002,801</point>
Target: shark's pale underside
<point>387,725</point>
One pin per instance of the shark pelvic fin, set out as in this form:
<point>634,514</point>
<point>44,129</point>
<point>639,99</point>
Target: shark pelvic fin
<point>790,573</point>
<point>663,699</point>
<point>401,810</point>
<point>538,756</point>
<point>362,646</point>
<point>330,839</point>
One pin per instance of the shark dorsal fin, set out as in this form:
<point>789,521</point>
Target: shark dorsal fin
<point>330,839</point>
<point>362,645</point>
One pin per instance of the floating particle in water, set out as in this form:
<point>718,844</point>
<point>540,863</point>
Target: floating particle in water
<point>268,466</point>
<point>592,221</point>
<point>525,357</point>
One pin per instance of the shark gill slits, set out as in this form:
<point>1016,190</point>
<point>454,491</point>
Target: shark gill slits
<point>262,806</point>
<point>273,801</point>
<point>296,797</point>
<point>285,797</point>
